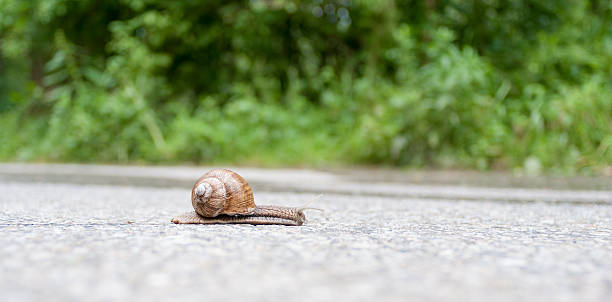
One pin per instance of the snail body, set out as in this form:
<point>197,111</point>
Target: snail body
<point>222,196</point>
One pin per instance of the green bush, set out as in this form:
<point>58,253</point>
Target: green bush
<point>504,84</point>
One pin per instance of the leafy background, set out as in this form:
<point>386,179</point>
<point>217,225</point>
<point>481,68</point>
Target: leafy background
<point>523,85</point>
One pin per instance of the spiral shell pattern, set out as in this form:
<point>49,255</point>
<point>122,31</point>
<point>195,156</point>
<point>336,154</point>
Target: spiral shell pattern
<point>222,192</point>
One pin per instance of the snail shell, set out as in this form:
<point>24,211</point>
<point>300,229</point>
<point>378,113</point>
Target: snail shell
<point>222,196</point>
<point>224,192</point>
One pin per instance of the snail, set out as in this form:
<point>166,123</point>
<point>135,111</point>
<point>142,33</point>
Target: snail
<point>222,196</point>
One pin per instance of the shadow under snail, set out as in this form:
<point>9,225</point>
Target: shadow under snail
<point>223,197</point>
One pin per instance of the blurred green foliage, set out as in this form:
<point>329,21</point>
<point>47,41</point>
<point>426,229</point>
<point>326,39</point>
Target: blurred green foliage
<point>487,84</point>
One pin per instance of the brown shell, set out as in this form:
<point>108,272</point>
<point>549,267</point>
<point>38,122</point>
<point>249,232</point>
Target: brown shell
<point>230,194</point>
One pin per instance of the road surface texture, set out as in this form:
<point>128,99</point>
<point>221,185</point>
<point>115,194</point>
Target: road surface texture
<point>103,233</point>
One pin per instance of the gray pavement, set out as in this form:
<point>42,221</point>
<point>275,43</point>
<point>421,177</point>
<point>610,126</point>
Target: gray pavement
<point>103,233</point>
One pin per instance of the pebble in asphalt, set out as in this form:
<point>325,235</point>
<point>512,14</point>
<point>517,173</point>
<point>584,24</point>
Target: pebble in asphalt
<point>74,242</point>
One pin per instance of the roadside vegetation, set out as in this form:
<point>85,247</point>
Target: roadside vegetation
<point>498,84</point>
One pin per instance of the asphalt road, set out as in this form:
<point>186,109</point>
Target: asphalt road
<point>103,233</point>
